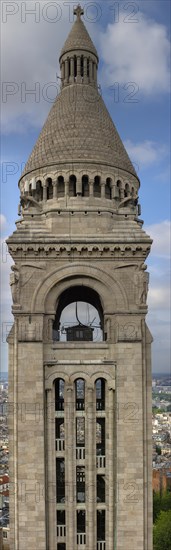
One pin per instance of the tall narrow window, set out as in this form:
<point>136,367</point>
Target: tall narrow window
<point>80,394</point>
<point>60,187</point>
<point>59,394</point>
<point>100,394</point>
<point>108,191</point>
<point>80,431</point>
<point>49,189</point>
<point>60,480</point>
<point>82,66</point>
<point>97,187</point>
<point>80,478</point>
<point>75,66</point>
<point>60,434</point>
<point>72,186</point>
<point>119,188</point>
<point>81,521</point>
<point>100,436</point>
<point>100,488</point>
<point>85,186</point>
<point>126,190</point>
<point>88,68</point>
<point>61,528</point>
<point>101,525</point>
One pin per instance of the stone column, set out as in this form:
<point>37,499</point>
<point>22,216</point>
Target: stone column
<point>79,69</point>
<point>95,72</point>
<point>91,188</point>
<point>63,72</point>
<point>55,192</point>
<point>66,188</point>
<point>102,190</point>
<point>79,187</point>
<point>45,192</point>
<point>91,70</point>
<point>51,482</point>
<point>110,465</point>
<point>66,71</point>
<point>72,70</point>
<point>85,79</point>
<point>70,469</point>
<point>91,471</point>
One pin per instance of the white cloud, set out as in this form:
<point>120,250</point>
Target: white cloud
<point>161,235</point>
<point>3,223</point>
<point>30,61</point>
<point>159,297</point>
<point>145,153</point>
<point>137,53</point>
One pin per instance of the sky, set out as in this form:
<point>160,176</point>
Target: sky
<point>132,39</point>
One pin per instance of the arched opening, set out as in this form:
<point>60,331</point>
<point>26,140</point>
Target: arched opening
<point>79,316</point>
<point>60,187</point>
<point>49,189</point>
<point>97,187</point>
<point>119,184</point>
<point>72,186</point>
<point>108,190</point>
<point>59,394</point>
<point>126,190</point>
<point>39,191</point>
<point>82,66</point>
<point>85,186</point>
<point>80,394</point>
<point>100,394</point>
<point>75,66</point>
<point>30,189</point>
<point>88,68</point>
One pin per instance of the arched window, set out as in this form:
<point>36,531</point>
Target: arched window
<point>80,394</point>
<point>49,189</point>
<point>30,189</point>
<point>59,394</point>
<point>85,186</point>
<point>108,190</point>
<point>100,394</point>
<point>39,191</point>
<point>88,68</point>
<point>100,436</point>
<point>132,191</point>
<point>72,186</point>
<point>75,66</point>
<point>126,191</point>
<point>97,187</point>
<point>60,187</point>
<point>119,184</point>
<point>82,66</point>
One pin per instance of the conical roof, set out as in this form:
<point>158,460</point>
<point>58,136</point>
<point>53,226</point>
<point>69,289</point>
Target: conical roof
<point>79,128</point>
<point>79,39</point>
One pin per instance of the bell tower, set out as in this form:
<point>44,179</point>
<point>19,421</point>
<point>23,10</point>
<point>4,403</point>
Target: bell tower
<point>79,349</point>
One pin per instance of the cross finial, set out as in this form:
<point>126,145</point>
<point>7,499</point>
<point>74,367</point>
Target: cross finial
<point>78,11</point>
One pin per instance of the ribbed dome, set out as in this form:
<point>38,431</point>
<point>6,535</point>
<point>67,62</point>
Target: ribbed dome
<point>79,128</point>
<point>79,39</point>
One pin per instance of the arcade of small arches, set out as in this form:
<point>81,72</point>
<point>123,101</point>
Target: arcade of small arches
<point>78,68</point>
<point>83,187</point>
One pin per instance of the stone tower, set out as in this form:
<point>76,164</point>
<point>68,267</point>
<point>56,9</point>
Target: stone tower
<point>80,427</point>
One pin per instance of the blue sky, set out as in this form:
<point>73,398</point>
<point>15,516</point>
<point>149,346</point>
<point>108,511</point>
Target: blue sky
<point>132,39</point>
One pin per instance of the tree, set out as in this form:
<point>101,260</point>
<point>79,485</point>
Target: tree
<point>162,531</point>
<point>161,502</point>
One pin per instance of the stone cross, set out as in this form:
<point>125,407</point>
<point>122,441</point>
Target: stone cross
<point>78,11</point>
